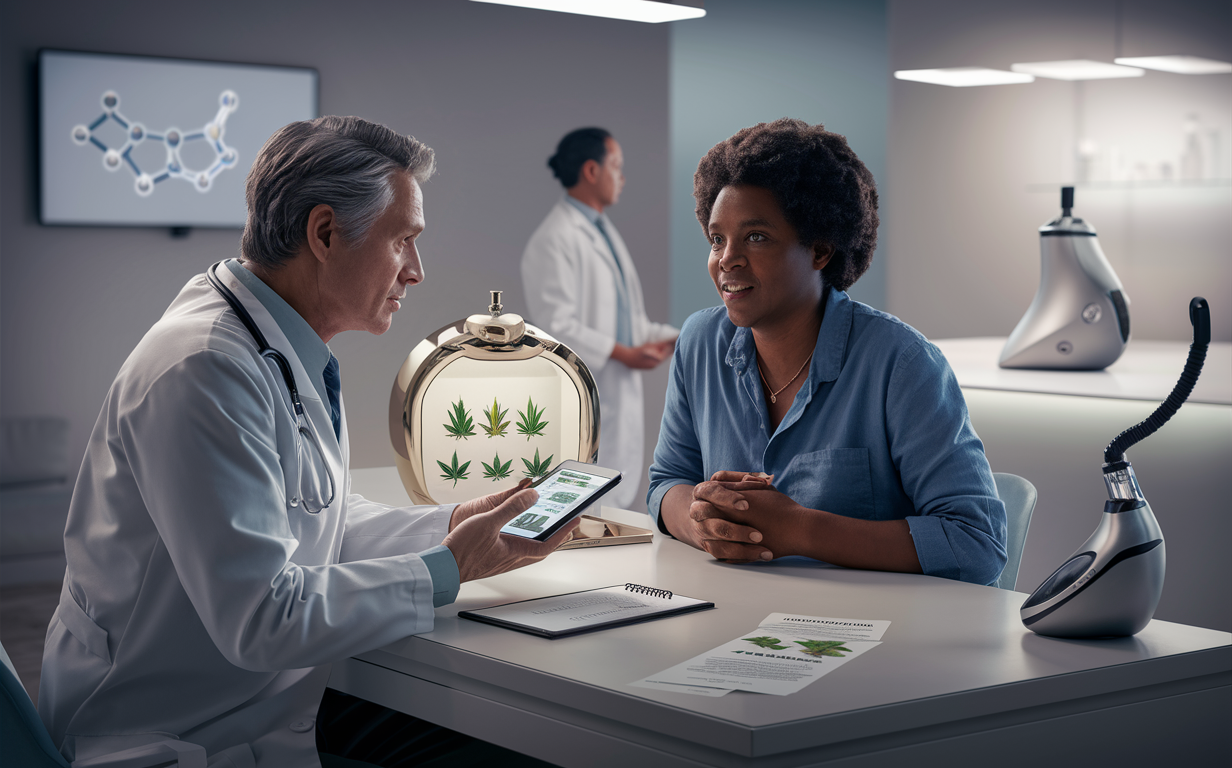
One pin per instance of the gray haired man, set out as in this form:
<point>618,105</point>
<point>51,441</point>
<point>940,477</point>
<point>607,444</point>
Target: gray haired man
<point>217,561</point>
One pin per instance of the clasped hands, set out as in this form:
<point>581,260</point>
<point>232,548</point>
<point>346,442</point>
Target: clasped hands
<point>740,517</point>
<point>645,356</point>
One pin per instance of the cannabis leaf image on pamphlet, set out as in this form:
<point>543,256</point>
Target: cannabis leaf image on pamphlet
<point>824,647</point>
<point>765,642</point>
<point>496,470</point>
<point>531,422</point>
<point>460,425</point>
<point>537,468</point>
<point>453,471</point>
<point>495,426</point>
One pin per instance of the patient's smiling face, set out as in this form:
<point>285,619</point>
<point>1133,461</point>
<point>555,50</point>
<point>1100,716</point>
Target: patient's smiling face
<point>766,277</point>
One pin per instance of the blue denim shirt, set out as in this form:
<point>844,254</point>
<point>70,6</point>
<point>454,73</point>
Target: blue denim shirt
<point>878,431</point>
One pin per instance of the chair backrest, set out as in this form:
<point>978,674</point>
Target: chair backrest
<point>1019,497</point>
<point>22,733</point>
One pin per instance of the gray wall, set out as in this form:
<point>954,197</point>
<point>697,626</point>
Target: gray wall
<point>975,171</point>
<point>822,61</point>
<point>491,89</point>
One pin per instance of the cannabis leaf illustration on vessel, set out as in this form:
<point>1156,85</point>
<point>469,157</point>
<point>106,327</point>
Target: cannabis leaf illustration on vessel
<point>495,415</point>
<point>824,647</point>
<point>765,642</point>
<point>531,422</point>
<point>537,468</point>
<point>454,471</point>
<point>496,470</point>
<point>461,425</point>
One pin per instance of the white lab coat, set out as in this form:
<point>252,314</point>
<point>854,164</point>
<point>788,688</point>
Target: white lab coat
<point>569,278</point>
<point>198,604</point>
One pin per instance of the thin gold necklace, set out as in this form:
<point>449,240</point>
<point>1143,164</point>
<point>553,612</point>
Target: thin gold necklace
<point>775,394</point>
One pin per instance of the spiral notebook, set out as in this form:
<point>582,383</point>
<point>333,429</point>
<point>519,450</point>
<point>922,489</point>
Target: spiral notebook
<point>592,609</point>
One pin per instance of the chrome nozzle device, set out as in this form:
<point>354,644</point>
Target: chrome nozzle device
<point>1079,318</point>
<point>1111,586</point>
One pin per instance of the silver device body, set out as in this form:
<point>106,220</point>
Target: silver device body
<point>1111,586</point>
<point>1079,318</point>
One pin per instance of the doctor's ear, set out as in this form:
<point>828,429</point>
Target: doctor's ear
<point>322,231</point>
<point>590,171</point>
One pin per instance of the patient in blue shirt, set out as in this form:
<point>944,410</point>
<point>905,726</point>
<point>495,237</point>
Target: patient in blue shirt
<point>799,421</point>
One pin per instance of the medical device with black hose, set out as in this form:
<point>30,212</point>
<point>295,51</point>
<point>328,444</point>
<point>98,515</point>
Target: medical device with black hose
<point>311,490</point>
<point>1112,584</point>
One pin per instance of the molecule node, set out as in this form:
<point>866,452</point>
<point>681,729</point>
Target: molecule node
<point>172,138</point>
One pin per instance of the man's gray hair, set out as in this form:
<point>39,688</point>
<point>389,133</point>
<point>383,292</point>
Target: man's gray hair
<point>343,162</point>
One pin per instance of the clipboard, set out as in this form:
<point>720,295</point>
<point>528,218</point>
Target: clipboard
<point>588,610</point>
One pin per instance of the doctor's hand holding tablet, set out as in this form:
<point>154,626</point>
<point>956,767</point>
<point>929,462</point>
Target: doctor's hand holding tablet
<point>534,521</point>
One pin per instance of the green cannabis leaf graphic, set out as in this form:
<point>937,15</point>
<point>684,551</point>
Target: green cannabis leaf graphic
<point>531,422</point>
<point>453,471</point>
<point>765,642</point>
<point>496,470</point>
<point>460,424</point>
<point>495,426</point>
<point>537,468</point>
<point>824,647</point>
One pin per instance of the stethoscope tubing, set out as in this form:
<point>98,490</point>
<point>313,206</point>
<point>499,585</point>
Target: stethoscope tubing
<point>266,351</point>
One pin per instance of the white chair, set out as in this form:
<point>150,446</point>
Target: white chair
<point>1019,497</point>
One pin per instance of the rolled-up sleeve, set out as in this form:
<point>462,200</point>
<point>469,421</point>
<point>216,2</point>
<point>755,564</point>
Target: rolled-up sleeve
<point>959,526</point>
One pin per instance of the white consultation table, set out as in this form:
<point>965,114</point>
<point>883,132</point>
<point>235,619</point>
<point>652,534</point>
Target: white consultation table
<point>957,678</point>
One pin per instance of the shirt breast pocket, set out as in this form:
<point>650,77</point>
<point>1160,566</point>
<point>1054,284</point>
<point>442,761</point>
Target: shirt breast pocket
<point>835,480</point>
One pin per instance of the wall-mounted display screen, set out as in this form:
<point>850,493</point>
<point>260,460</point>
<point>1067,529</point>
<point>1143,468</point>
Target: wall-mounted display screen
<point>141,141</point>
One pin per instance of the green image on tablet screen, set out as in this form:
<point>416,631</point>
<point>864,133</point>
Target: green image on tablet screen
<point>559,496</point>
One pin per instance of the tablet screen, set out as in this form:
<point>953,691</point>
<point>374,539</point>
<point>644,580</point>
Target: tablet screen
<point>560,494</point>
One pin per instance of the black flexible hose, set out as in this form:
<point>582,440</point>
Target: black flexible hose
<point>1200,317</point>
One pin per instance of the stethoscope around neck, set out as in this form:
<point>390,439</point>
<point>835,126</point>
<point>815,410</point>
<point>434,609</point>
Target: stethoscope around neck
<point>310,494</point>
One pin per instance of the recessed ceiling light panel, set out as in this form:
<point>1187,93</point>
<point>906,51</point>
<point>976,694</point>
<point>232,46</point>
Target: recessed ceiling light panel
<point>1181,65</point>
<point>1076,69</point>
<point>628,10</point>
<point>962,77</point>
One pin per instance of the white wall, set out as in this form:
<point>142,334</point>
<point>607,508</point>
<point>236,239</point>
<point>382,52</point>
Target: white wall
<point>973,172</point>
<point>492,89</point>
<point>822,61</point>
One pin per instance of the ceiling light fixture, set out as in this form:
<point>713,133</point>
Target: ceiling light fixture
<point>1181,65</point>
<point>1076,69</point>
<point>650,11</point>
<point>963,77</point>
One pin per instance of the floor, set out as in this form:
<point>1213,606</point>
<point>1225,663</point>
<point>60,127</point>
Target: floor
<point>25,610</point>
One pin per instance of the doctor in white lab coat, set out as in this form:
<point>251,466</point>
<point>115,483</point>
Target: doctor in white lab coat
<point>217,561</point>
<point>581,286</point>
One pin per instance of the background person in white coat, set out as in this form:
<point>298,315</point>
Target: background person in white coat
<point>581,287</point>
<point>217,562</point>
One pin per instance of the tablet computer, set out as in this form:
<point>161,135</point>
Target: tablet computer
<point>563,494</point>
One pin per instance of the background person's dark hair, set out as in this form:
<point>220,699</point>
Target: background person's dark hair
<point>343,162</point>
<point>574,150</point>
<point>825,192</point>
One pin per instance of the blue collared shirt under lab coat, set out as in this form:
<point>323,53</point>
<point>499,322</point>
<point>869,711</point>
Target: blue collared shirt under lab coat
<point>878,431</point>
<point>315,355</point>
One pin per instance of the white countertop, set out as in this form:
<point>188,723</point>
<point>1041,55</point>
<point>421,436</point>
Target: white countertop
<point>1147,371</point>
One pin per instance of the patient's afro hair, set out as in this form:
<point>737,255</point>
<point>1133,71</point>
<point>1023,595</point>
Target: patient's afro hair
<point>825,192</point>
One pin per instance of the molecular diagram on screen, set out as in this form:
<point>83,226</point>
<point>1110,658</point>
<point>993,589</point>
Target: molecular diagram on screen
<point>173,139</point>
